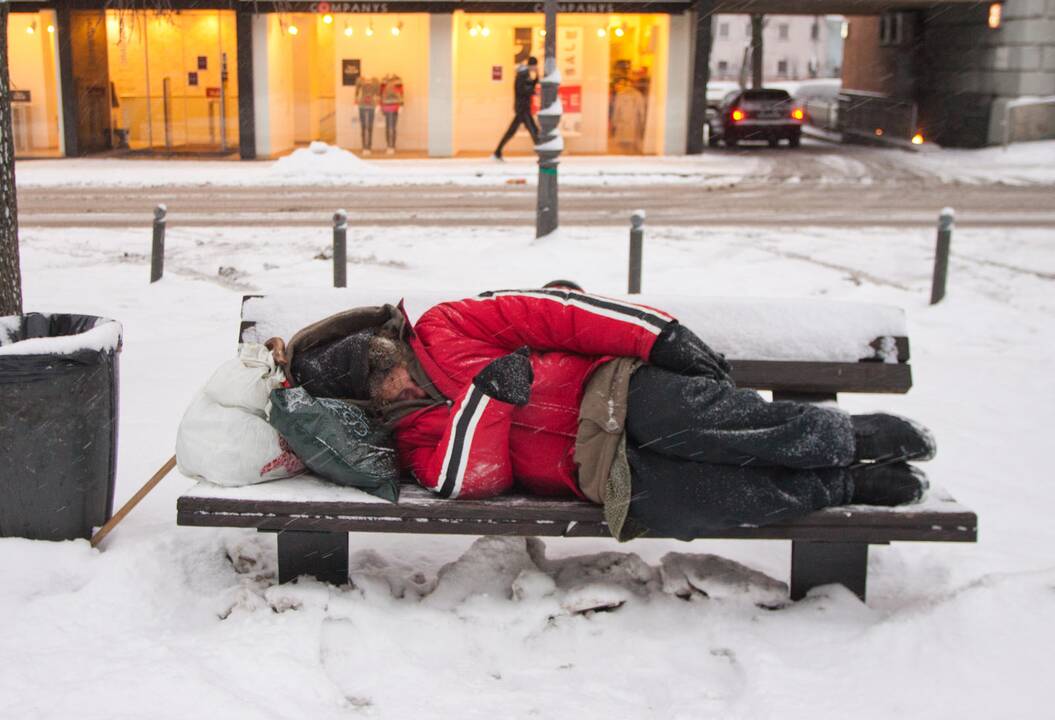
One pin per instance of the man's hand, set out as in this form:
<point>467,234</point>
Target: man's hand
<point>277,346</point>
<point>680,350</point>
<point>508,378</point>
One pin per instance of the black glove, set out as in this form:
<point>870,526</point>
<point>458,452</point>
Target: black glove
<point>508,378</point>
<point>680,350</point>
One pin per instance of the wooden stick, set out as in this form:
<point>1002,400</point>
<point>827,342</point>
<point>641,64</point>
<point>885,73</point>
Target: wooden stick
<point>127,507</point>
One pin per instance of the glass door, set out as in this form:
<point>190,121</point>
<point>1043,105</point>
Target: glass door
<point>173,80</point>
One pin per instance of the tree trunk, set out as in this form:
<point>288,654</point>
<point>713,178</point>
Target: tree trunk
<point>10,273</point>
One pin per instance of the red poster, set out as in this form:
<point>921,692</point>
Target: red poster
<point>570,99</point>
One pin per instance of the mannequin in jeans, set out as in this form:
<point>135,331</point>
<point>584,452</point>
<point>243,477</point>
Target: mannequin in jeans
<point>391,102</point>
<point>367,92</point>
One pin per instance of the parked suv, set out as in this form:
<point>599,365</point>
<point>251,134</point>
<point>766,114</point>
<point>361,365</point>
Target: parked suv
<point>757,115</point>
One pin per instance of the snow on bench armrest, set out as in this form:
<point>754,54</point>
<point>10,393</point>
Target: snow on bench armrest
<point>756,329</point>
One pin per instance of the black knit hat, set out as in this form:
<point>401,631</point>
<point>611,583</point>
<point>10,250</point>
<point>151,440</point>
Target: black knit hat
<point>338,369</point>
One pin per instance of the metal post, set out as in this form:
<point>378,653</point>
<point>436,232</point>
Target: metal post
<point>637,236</point>
<point>703,13</point>
<point>157,247</point>
<point>941,255</point>
<point>340,249</point>
<point>223,102</point>
<point>550,142</point>
<point>166,109</point>
<point>756,51</point>
<point>146,77</point>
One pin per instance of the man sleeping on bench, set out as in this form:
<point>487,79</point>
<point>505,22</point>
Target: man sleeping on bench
<point>559,392</point>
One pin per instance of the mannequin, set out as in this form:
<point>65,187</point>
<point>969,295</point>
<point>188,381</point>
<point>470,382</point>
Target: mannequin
<point>628,117</point>
<point>367,94</point>
<point>391,102</point>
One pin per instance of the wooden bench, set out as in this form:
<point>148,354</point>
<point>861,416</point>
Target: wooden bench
<point>312,519</point>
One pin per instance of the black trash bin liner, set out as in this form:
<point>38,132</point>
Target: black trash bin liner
<point>58,424</point>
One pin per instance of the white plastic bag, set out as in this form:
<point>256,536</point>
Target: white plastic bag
<point>224,436</point>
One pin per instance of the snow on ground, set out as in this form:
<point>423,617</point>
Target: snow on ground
<point>1021,163</point>
<point>1024,163</point>
<point>168,622</point>
<point>304,168</point>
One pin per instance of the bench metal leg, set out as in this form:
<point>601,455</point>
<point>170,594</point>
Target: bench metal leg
<point>821,563</point>
<point>322,554</point>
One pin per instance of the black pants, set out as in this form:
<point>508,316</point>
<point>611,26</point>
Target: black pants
<point>522,117</point>
<point>706,456</point>
<point>366,125</point>
<point>391,120</point>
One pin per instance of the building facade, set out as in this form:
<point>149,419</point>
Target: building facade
<point>797,47</point>
<point>962,66</point>
<point>216,78</point>
<point>435,77</point>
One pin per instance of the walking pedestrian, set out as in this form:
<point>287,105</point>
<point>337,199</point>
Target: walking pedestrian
<point>523,90</point>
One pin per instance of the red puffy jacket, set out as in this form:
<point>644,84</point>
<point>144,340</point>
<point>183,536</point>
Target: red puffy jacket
<point>476,445</point>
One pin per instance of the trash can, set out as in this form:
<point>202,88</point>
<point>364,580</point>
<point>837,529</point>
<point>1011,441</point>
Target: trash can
<point>58,424</point>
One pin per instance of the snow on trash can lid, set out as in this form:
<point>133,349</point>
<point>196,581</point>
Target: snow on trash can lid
<point>66,334</point>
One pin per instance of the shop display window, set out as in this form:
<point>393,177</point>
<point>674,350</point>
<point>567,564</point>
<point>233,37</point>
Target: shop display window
<point>613,70</point>
<point>172,80</point>
<point>359,81</point>
<point>32,51</point>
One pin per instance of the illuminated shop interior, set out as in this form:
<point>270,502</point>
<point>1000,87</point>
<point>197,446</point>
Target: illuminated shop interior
<point>316,64</point>
<point>173,80</point>
<point>33,51</point>
<point>613,71</point>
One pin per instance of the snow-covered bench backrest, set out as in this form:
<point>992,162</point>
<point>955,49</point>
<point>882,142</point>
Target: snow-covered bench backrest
<point>756,329</point>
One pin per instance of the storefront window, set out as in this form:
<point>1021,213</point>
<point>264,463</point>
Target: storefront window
<point>359,81</point>
<point>173,80</point>
<point>32,50</point>
<point>383,70</point>
<point>613,70</point>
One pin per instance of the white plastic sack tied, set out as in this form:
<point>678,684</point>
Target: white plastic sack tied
<point>224,436</point>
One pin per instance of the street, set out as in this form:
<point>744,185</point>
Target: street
<point>819,184</point>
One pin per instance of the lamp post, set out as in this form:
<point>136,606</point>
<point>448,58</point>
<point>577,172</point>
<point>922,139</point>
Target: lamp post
<point>550,143</point>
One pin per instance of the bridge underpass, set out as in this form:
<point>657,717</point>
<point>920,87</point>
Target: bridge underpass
<point>943,62</point>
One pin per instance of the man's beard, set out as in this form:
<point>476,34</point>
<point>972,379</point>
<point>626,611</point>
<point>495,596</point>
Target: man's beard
<point>385,355</point>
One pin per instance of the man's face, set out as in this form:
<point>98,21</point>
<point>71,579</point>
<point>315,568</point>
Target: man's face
<point>398,385</point>
<point>390,380</point>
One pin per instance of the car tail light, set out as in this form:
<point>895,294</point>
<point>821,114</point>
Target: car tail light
<point>738,115</point>
<point>798,114</point>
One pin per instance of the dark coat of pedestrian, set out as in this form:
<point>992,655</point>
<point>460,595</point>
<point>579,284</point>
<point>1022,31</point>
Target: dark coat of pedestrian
<point>523,90</point>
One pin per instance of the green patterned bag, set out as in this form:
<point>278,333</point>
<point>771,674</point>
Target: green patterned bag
<point>337,441</point>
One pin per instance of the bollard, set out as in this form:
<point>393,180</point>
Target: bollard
<point>941,255</point>
<point>157,247</point>
<point>340,249</point>
<point>637,235</point>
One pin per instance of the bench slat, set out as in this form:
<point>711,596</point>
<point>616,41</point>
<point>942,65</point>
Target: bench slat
<point>822,377</point>
<point>918,530</point>
<point>939,518</point>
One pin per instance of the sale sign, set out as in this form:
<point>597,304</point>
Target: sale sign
<point>569,62</point>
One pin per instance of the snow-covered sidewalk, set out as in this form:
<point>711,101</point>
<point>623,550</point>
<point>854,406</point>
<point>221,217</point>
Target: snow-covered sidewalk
<point>169,622</point>
<point>1024,163</point>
